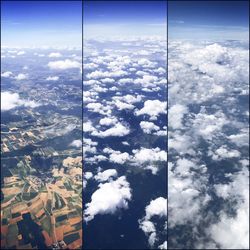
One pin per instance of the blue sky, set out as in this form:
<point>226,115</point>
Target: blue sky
<point>125,18</point>
<point>208,19</point>
<point>59,23</point>
<point>41,23</point>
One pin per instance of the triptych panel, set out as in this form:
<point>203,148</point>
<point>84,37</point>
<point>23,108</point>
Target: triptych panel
<point>124,124</point>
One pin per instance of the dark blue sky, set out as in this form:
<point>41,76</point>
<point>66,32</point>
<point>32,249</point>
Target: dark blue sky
<point>208,19</point>
<point>124,11</point>
<point>125,18</point>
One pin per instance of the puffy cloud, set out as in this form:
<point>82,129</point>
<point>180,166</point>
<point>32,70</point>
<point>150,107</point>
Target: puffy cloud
<point>54,54</point>
<point>107,121</point>
<point>117,130</point>
<point>13,100</point>
<point>129,98</point>
<point>76,143</point>
<point>88,127</point>
<point>176,113</point>
<point>148,127</point>
<point>164,245</point>
<point>21,76</point>
<point>21,53</point>
<point>147,158</point>
<point>6,74</point>
<point>89,146</point>
<point>145,63</point>
<point>99,108</point>
<point>117,156</point>
<point>152,108</point>
<point>101,74</point>
<point>157,207</point>
<point>224,231</point>
<point>223,152</point>
<point>241,139</point>
<point>123,105</point>
<point>147,81</point>
<point>64,64</point>
<point>52,78</point>
<point>108,198</point>
<point>106,175</point>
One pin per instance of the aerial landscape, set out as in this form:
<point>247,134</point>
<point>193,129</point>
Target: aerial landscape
<point>41,140</point>
<point>125,125</point>
<point>208,157</point>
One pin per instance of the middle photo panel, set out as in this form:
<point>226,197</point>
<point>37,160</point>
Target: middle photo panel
<point>125,124</point>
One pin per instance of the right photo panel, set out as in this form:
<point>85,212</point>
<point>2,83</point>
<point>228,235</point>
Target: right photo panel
<point>208,125</point>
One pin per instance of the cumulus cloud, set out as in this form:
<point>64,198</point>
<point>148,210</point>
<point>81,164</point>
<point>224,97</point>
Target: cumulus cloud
<point>107,121</point>
<point>117,130</point>
<point>64,64</point>
<point>109,198</point>
<point>156,208</point>
<point>76,143</point>
<point>54,54</point>
<point>21,76</point>
<point>52,78</point>
<point>12,100</point>
<point>148,127</point>
<point>117,156</point>
<point>205,118</point>
<point>153,108</point>
<point>224,231</point>
<point>176,114</point>
<point>143,155</point>
<point>106,175</point>
<point>6,74</point>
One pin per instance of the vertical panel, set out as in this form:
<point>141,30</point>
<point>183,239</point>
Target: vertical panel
<point>208,199</point>
<point>41,125</point>
<point>125,125</point>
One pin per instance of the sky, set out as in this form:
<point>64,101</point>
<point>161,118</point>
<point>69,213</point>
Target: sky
<point>41,23</point>
<point>208,20</point>
<point>124,18</point>
<point>59,23</point>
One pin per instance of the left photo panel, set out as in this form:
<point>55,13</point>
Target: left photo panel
<point>41,124</point>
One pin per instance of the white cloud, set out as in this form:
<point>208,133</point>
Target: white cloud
<point>109,198</point>
<point>148,127</point>
<point>106,175</point>
<point>55,54</point>
<point>21,53</point>
<point>64,64</point>
<point>224,231</point>
<point>223,152</point>
<point>146,158</point>
<point>6,74</point>
<point>152,108</point>
<point>107,121</point>
<point>101,74</point>
<point>157,207</point>
<point>13,100</point>
<point>52,78</point>
<point>76,143</point>
<point>176,113</point>
<point>117,156</point>
<point>21,76</point>
<point>117,130</point>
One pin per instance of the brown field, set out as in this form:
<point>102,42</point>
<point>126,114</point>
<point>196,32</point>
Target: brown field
<point>20,207</point>
<point>76,244</point>
<point>11,190</point>
<point>48,239</point>
<point>75,220</point>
